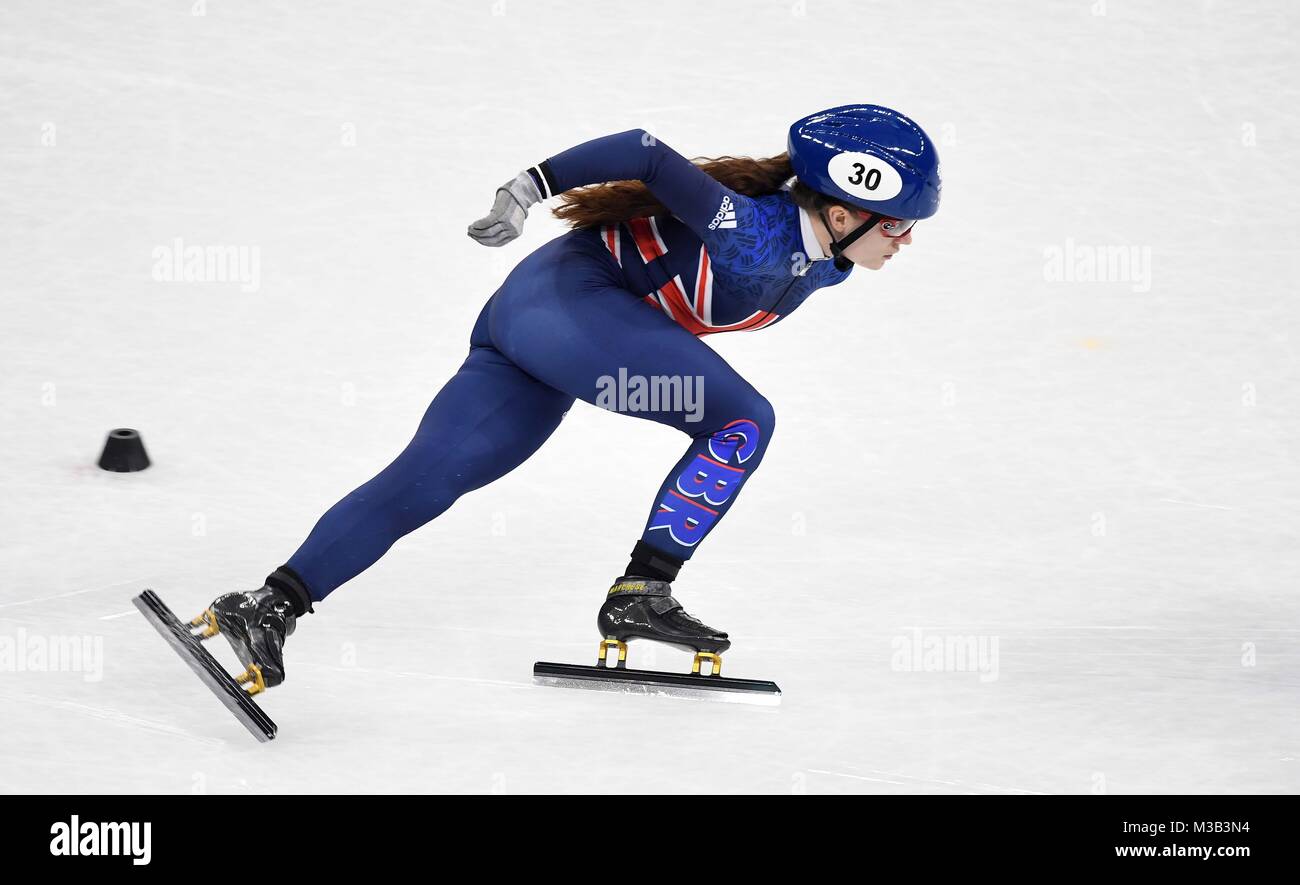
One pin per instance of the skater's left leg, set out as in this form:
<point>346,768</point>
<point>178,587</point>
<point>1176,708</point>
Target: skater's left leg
<point>583,342</point>
<point>584,339</point>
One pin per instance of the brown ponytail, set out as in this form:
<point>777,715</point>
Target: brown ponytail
<point>617,201</point>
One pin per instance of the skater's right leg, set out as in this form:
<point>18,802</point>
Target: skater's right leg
<point>486,421</point>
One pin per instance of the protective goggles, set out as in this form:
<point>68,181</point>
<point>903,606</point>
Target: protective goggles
<point>890,227</point>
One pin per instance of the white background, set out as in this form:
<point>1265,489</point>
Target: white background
<point>1101,477</point>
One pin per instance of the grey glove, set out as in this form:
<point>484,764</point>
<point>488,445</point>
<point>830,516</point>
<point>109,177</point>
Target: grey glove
<point>506,220</point>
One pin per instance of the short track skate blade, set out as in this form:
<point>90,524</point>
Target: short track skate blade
<point>656,682</point>
<point>213,675</point>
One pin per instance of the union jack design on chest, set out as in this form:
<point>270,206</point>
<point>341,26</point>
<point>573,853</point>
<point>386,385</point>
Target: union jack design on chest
<point>695,313</point>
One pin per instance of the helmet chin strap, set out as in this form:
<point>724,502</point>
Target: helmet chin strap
<point>838,246</point>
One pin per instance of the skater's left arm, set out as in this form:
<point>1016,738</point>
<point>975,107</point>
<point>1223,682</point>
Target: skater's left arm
<point>704,204</point>
<point>689,192</point>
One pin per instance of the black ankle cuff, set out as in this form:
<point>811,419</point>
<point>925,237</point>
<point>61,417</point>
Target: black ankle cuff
<point>638,585</point>
<point>648,562</point>
<point>289,582</point>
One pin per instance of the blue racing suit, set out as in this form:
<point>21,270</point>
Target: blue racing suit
<point>612,316</point>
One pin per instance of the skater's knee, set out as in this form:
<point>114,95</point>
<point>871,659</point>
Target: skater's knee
<point>759,410</point>
<point>742,437</point>
<point>755,411</point>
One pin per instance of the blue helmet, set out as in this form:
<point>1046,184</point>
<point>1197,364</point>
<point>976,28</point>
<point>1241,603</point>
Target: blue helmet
<point>869,157</point>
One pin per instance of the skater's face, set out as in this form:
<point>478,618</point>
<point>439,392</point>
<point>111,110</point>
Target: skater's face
<point>875,248</point>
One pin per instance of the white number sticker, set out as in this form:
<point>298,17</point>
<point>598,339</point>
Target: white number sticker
<point>865,176</point>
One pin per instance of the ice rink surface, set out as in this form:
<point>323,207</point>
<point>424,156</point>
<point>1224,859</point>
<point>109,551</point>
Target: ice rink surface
<point>1094,482</point>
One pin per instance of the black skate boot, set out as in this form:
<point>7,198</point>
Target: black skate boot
<point>643,608</point>
<point>640,605</point>
<point>257,623</point>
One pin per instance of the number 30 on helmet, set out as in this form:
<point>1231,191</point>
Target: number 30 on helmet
<point>870,157</point>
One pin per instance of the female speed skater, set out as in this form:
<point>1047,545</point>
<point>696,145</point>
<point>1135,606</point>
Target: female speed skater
<point>663,251</point>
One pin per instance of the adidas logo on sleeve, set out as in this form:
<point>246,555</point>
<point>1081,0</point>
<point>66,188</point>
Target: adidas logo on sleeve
<point>726,216</point>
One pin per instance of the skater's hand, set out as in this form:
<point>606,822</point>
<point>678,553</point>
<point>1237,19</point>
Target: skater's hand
<point>506,220</point>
